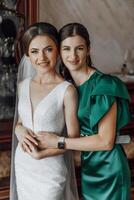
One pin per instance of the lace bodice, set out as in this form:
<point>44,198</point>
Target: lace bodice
<point>49,113</point>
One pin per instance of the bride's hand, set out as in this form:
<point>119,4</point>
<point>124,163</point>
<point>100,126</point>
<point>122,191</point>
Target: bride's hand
<point>26,138</point>
<point>47,140</point>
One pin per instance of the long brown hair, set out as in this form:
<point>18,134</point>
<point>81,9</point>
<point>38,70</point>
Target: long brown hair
<point>70,30</point>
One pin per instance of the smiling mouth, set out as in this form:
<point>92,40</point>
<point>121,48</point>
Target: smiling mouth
<point>73,62</point>
<point>44,64</point>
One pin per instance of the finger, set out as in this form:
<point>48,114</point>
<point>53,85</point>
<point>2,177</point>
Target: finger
<point>26,147</point>
<point>31,133</point>
<point>29,143</point>
<point>22,147</point>
<point>30,138</point>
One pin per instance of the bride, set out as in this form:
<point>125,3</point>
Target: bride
<point>46,102</point>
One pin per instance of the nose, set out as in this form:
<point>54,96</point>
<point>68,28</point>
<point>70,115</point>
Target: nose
<point>42,55</point>
<point>73,55</point>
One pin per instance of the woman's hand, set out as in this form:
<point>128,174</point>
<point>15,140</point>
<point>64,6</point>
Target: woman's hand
<point>47,140</point>
<point>26,138</point>
<point>36,153</point>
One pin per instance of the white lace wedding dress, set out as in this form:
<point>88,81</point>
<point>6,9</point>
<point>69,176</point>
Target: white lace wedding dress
<point>43,179</point>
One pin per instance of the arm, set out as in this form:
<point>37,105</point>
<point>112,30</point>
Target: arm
<point>70,104</point>
<point>72,123</point>
<point>104,140</point>
<point>39,154</point>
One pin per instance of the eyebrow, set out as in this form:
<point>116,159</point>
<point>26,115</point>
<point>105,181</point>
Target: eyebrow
<point>76,46</point>
<point>34,48</point>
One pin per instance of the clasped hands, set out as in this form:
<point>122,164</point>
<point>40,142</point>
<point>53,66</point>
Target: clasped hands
<point>35,144</point>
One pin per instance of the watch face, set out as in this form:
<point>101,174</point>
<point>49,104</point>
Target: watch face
<point>61,145</point>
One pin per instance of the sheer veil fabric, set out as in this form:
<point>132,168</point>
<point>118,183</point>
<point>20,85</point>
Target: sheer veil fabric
<point>26,70</point>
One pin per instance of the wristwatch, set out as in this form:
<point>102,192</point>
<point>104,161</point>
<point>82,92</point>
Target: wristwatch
<point>61,143</point>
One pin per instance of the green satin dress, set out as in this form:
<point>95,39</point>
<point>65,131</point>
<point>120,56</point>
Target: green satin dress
<point>105,175</point>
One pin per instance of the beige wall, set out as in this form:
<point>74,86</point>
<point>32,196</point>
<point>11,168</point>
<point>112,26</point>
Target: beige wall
<point>110,23</point>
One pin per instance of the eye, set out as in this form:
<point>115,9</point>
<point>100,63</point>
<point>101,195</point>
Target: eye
<point>34,51</point>
<point>49,49</point>
<point>80,48</point>
<point>65,48</point>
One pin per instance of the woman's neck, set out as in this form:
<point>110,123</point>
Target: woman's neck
<point>46,78</point>
<point>81,75</point>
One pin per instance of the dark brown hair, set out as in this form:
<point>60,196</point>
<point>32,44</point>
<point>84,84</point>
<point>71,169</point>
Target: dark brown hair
<point>70,30</point>
<point>40,28</point>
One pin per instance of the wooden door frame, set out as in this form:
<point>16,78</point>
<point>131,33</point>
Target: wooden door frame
<point>29,9</point>
<point>32,7</point>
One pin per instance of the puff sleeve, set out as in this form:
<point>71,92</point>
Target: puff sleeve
<point>109,90</point>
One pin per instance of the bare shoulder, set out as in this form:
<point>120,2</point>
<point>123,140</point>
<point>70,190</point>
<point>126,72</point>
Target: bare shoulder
<point>70,93</point>
<point>71,90</point>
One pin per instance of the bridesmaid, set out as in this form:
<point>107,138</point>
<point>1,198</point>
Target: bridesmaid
<point>102,112</point>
